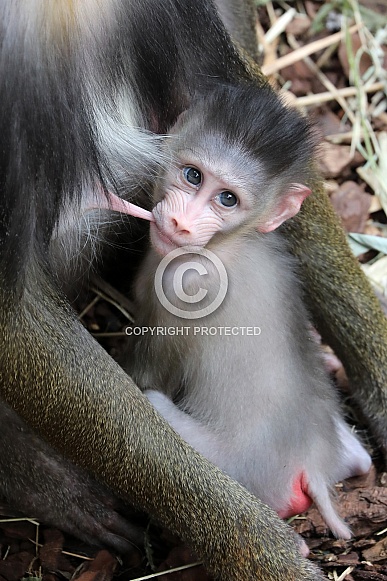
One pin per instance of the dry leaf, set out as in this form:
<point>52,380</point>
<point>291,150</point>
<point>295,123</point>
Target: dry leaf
<point>352,204</point>
<point>100,569</point>
<point>376,553</point>
<point>333,159</point>
<point>299,25</point>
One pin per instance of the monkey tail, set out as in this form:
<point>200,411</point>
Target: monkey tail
<point>319,492</point>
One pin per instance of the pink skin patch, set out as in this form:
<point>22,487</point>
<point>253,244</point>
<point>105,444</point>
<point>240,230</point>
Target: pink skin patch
<point>116,204</point>
<point>119,205</point>
<point>300,501</point>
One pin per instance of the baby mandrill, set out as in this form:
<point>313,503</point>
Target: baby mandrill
<point>229,358</point>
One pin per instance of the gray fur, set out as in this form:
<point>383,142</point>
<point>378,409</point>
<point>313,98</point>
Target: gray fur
<point>259,406</point>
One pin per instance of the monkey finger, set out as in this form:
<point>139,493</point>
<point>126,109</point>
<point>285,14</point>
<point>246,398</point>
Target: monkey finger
<point>107,519</point>
<point>331,362</point>
<point>118,526</point>
<point>105,528</point>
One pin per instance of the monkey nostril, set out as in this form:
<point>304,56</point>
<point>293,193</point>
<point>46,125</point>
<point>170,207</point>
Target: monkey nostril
<point>179,227</point>
<point>183,231</point>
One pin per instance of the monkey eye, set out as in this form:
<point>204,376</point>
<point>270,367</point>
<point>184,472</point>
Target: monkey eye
<point>192,175</point>
<point>227,199</point>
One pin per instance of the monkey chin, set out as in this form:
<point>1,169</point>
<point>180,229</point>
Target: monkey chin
<point>161,243</point>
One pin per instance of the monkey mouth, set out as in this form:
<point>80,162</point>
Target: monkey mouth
<point>162,243</point>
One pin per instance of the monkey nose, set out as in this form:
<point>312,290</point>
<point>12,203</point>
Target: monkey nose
<point>180,225</point>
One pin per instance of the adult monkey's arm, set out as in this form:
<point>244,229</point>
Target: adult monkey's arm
<point>344,307</point>
<point>92,412</point>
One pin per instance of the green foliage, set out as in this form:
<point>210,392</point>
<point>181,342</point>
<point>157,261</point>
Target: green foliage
<point>361,243</point>
<point>372,20</point>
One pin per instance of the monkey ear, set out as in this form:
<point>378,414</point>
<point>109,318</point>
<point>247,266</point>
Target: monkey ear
<point>287,207</point>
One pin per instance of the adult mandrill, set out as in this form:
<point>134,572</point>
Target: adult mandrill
<point>81,83</point>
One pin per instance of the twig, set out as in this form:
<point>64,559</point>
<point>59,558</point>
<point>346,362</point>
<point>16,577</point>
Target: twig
<point>345,573</point>
<point>325,81</point>
<point>154,575</point>
<point>114,297</point>
<point>280,25</point>
<point>340,138</point>
<point>301,52</point>
<point>328,96</point>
